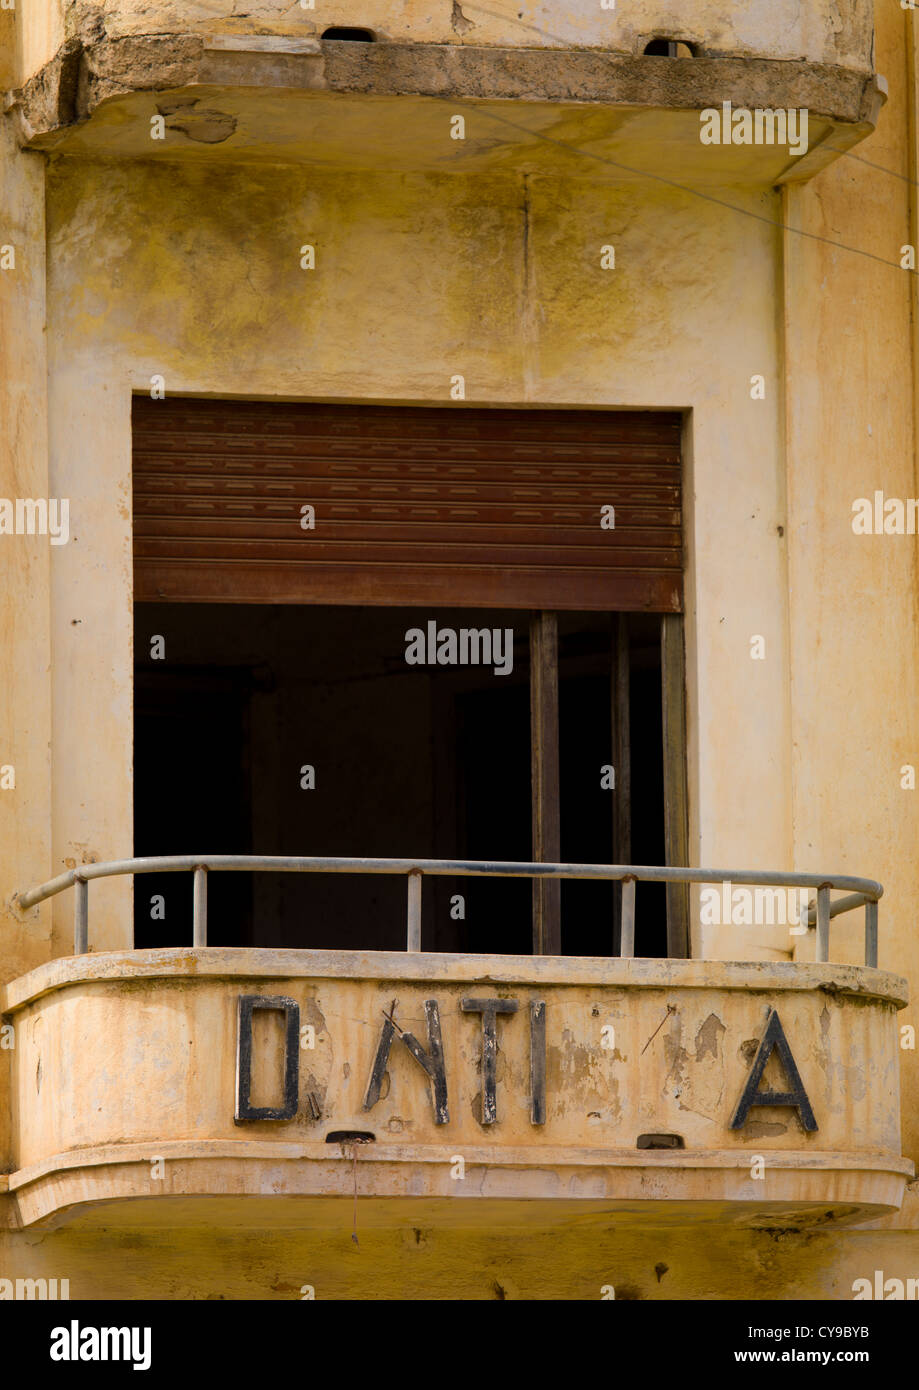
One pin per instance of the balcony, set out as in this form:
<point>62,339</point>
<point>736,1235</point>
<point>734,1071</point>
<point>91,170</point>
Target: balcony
<point>605,94</point>
<point>463,1088</point>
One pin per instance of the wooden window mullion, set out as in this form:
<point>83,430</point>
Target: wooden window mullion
<point>545,780</point>
<point>676,791</point>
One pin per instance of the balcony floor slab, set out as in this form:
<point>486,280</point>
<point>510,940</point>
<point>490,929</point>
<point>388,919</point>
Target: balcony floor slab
<point>389,106</point>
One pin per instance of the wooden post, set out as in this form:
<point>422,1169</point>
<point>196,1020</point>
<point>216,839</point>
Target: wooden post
<point>622,762</point>
<point>676,792</point>
<point>547,936</point>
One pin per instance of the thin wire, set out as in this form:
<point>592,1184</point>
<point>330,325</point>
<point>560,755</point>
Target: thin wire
<point>683,188</point>
<point>673,183</point>
<point>871,164</point>
<point>510,19</point>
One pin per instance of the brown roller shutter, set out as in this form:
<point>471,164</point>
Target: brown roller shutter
<point>454,507</point>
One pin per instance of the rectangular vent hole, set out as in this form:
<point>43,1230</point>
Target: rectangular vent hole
<point>660,1141</point>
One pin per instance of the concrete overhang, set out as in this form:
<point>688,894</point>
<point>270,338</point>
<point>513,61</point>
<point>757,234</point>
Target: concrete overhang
<point>126,1091</point>
<point>390,106</point>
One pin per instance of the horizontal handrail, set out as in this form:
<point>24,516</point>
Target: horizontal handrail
<point>863,892</point>
<point>176,863</point>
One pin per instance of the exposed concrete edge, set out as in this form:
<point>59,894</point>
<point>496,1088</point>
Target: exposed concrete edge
<point>219,962</point>
<point>842,1188</point>
<point>87,71</point>
<point>475,1156</point>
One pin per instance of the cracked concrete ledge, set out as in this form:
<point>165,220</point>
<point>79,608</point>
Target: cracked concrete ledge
<point>90,70</point>
<point>834,1189</point>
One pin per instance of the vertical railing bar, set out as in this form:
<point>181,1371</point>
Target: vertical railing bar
<point>871,934</point>
<point>413,942</point>
<point>627,926</point>
<point>823,923</point>
<point>199,921</point>
<point>81,917</point>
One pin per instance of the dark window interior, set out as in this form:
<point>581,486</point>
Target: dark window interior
<point>410,761</point>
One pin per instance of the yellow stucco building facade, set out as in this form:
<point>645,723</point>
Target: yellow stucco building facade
<point>429,208</point>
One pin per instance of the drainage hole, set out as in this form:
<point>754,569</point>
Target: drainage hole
<point>660,1141</point>
<point>345,35</point>
<point>670,48</point>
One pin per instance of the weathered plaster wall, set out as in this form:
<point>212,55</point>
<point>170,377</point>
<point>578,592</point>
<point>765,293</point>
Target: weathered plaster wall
<point>853,631</point>
<point>825,31</point>
<point>40,31</point>
<point>25,615</point>
<point>25,561</point>
<point>192,272</point>
<point>161,1258</point>
<point>8,67</point>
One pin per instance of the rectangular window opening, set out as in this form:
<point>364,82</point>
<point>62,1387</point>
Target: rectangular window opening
<point>286,553</point>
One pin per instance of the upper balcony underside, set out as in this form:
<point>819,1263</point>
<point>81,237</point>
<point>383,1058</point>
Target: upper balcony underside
<point>392,106</point>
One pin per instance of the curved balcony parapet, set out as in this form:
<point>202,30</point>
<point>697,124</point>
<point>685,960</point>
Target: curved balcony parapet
<point>471,1085</point>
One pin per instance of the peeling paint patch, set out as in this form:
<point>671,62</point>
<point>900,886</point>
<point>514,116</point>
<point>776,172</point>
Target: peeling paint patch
<point>311,1011</point>
<point>207,127</point>
<point>708,1038</point>
<point>315,1091</point>
<point>458,21</point>
<point>676,1057</point>
<point>763,1129</point>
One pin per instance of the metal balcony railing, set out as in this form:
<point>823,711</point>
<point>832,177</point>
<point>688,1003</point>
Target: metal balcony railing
<point>863,892</point>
